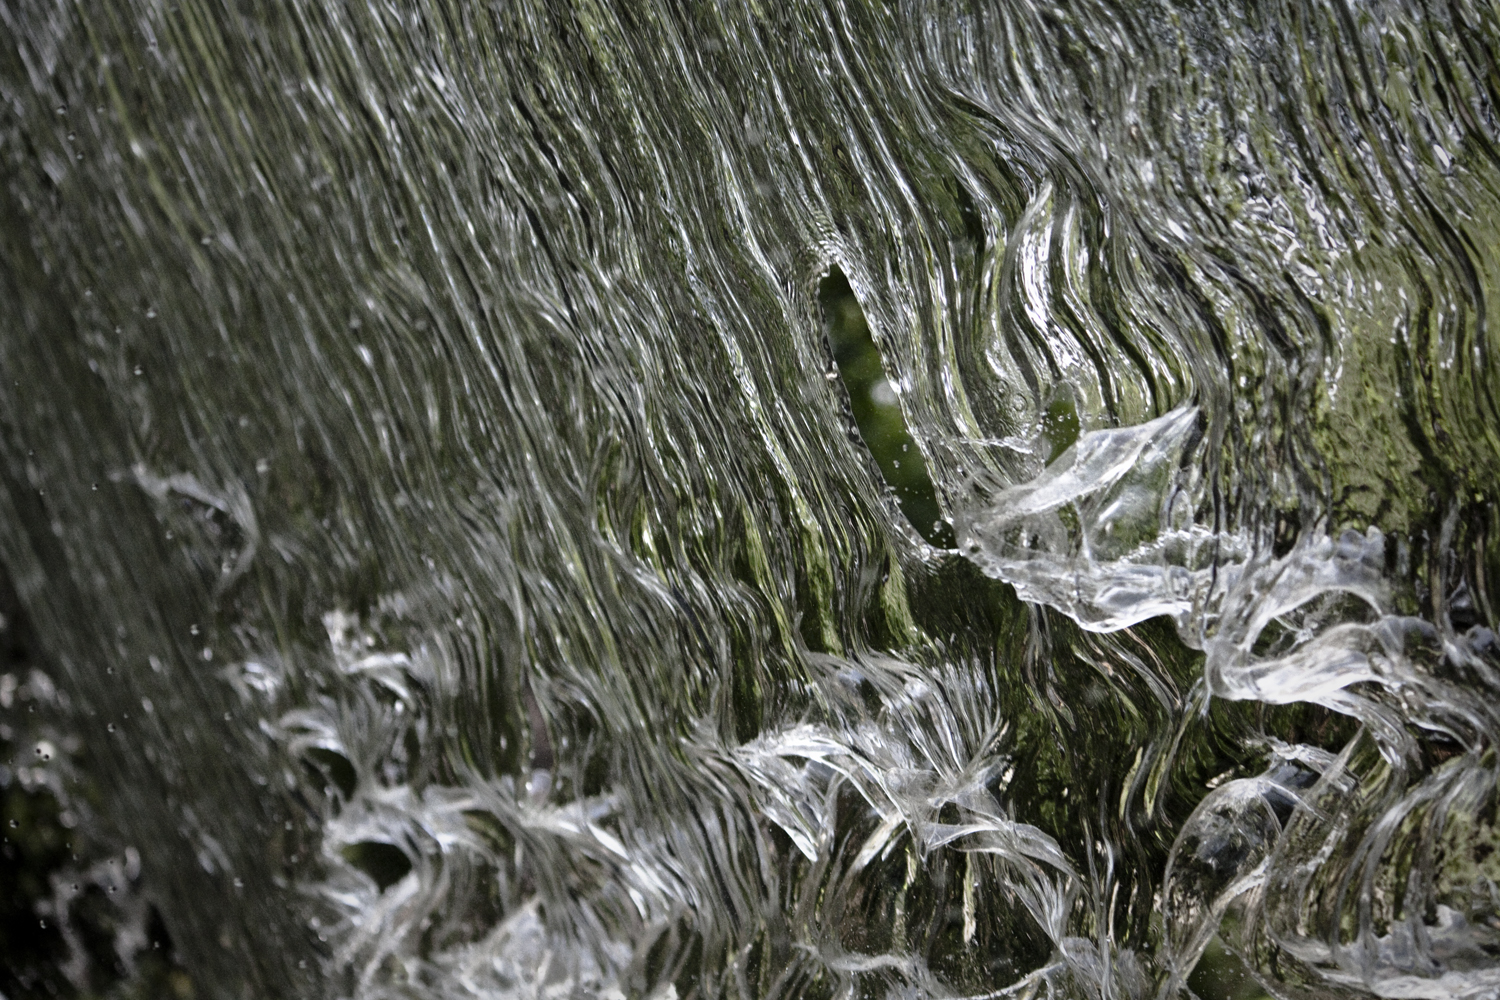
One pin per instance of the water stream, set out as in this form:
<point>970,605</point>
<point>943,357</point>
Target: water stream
<point>760,499</point>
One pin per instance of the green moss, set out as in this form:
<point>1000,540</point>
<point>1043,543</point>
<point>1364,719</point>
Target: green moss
<point>877,410</point>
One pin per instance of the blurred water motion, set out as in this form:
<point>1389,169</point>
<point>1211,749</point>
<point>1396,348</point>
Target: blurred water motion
<point>751,499</point>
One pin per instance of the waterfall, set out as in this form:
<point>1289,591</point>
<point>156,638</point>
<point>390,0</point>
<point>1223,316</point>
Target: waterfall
<point>812,498</point>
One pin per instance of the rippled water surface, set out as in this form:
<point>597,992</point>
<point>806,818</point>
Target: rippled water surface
<point>753,499</point>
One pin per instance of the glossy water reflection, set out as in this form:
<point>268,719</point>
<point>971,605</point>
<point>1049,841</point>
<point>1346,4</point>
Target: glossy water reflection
<point>763,499</point>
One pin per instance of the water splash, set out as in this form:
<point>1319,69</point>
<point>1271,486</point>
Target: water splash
<point>440,417</point>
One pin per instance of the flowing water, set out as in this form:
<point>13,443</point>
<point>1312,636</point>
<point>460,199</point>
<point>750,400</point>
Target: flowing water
<point>769,498</point>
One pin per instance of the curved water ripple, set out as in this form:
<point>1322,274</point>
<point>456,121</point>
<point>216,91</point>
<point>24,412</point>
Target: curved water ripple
<point>450,420</point>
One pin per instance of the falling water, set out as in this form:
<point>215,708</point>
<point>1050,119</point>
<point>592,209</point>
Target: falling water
<point>760,499</point>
